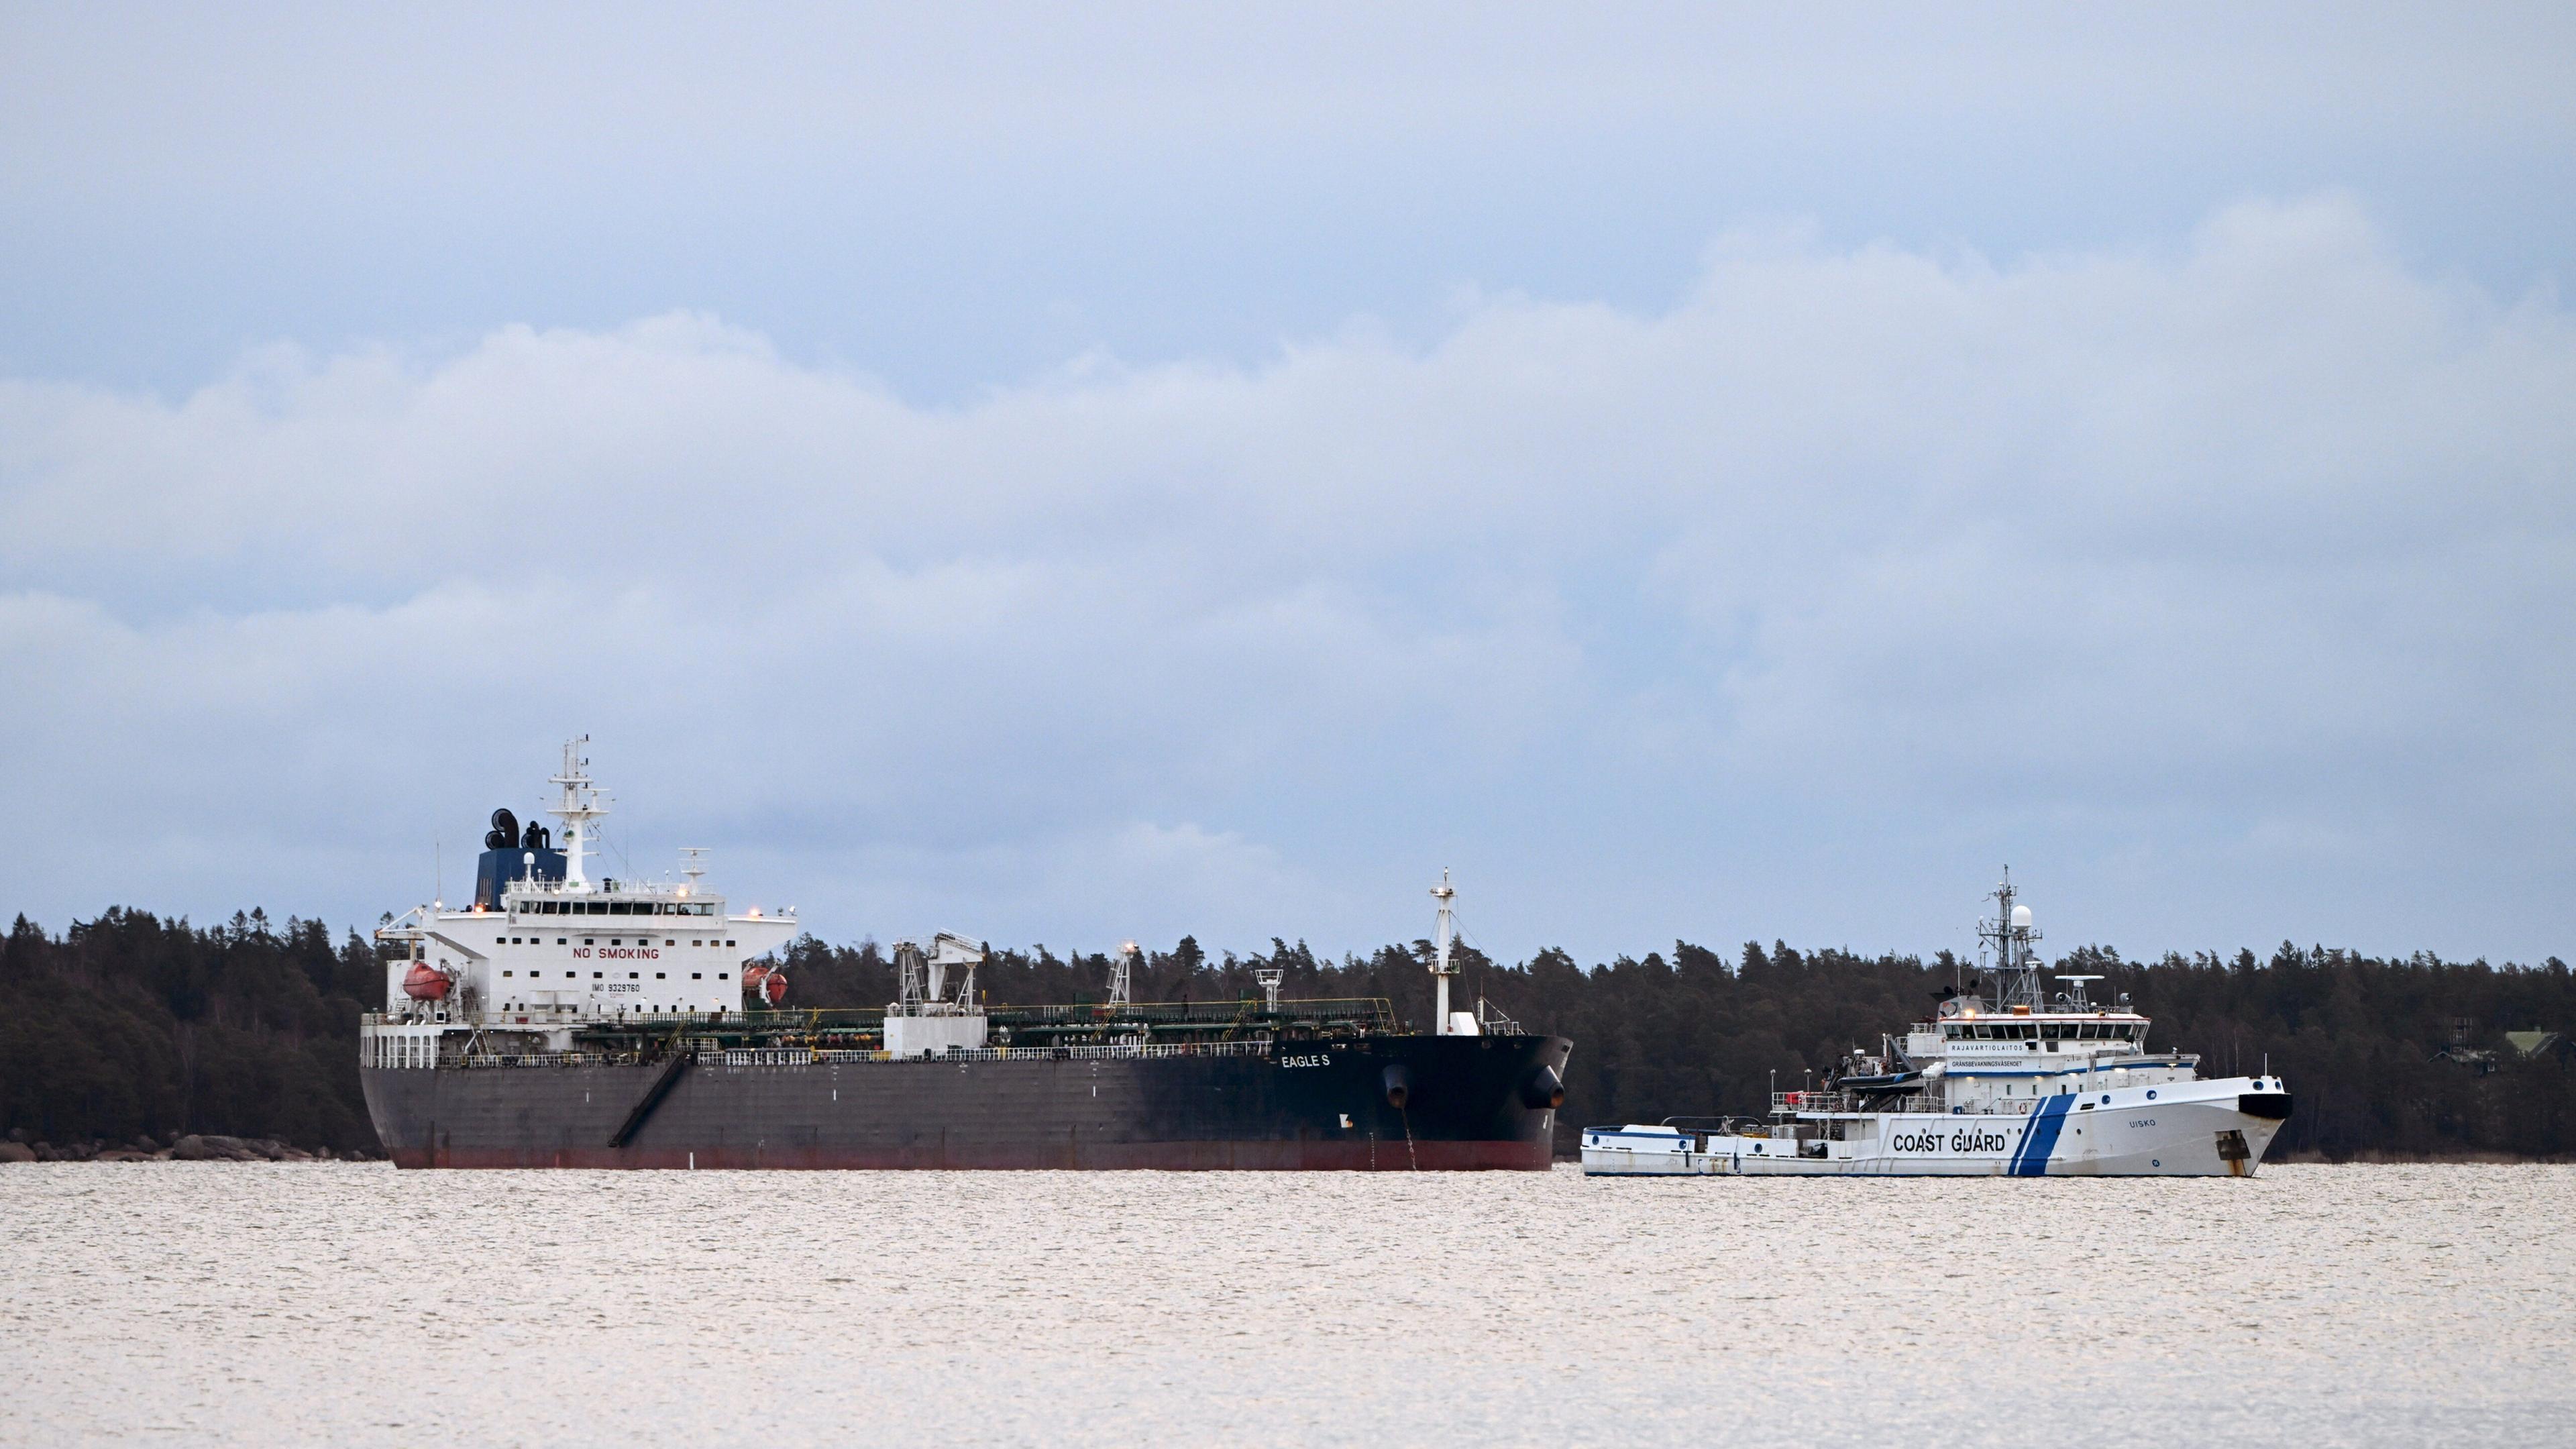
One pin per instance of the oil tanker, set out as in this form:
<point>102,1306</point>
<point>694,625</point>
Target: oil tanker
<point>558,1021</point>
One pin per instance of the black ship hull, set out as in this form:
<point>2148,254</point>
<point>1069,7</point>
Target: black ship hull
<point>1382,1104</point>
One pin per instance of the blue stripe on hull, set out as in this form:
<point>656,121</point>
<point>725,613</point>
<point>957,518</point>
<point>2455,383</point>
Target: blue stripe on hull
<point>2039,1136</point>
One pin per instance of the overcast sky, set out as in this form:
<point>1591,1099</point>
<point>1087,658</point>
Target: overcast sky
<point>1693,472</point>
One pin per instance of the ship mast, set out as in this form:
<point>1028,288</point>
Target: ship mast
<point>1118,976</point>
<point>2011,939</point>
<point>579,806</point>
<point>1441,967</point>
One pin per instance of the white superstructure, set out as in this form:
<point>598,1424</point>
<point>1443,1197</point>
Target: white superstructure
<point>2020,1084</point>
<point>544,945</point>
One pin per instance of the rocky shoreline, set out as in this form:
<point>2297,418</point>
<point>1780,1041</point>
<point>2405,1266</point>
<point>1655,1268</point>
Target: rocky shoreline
<point>189,1147</point>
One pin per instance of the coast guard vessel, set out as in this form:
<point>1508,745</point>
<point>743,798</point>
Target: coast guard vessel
<point>2025,1084</point>
<point>562,1021</point>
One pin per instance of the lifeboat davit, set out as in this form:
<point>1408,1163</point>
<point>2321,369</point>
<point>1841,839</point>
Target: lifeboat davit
<point>766,985</point>
<point>425,982</point>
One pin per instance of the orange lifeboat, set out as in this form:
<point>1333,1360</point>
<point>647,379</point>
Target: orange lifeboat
<point>425,982</point>
<point>765,985</point>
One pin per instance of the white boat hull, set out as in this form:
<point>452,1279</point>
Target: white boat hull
<point>2186,1129</point>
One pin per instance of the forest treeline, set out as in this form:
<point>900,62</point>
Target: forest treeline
<point>131,1024</point>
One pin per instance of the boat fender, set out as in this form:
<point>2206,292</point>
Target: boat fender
<point>1542,1088</point>
<point>1399,1086</point>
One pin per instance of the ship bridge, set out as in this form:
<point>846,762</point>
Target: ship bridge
<point>542,944</point>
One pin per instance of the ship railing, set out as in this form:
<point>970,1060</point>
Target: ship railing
<point>772,1056</point>
<point>1362,1016</point>
<point>802,1056</point>
<point>479,1060</point>
<point>1370,1013</point>
<point>1813,1101</point>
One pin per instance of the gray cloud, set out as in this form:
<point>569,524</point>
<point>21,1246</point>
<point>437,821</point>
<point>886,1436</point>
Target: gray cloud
<point>2225,584</point>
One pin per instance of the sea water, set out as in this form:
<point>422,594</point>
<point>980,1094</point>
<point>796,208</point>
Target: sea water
<point>353,1304</point>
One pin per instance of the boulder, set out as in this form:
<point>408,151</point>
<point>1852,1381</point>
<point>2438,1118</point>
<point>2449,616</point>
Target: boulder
<point>214,1147</point>
<point>16,1152</point>
<point>122,1154</point>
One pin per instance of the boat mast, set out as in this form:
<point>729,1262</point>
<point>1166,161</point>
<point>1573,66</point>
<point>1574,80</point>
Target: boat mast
<point>1119,976</point>
<point>2012,939</point>
<point>579,806</point>
<point>1441,967</point>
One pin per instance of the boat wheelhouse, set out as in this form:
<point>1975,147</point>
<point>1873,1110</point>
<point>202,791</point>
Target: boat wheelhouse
<point>543,949</point>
